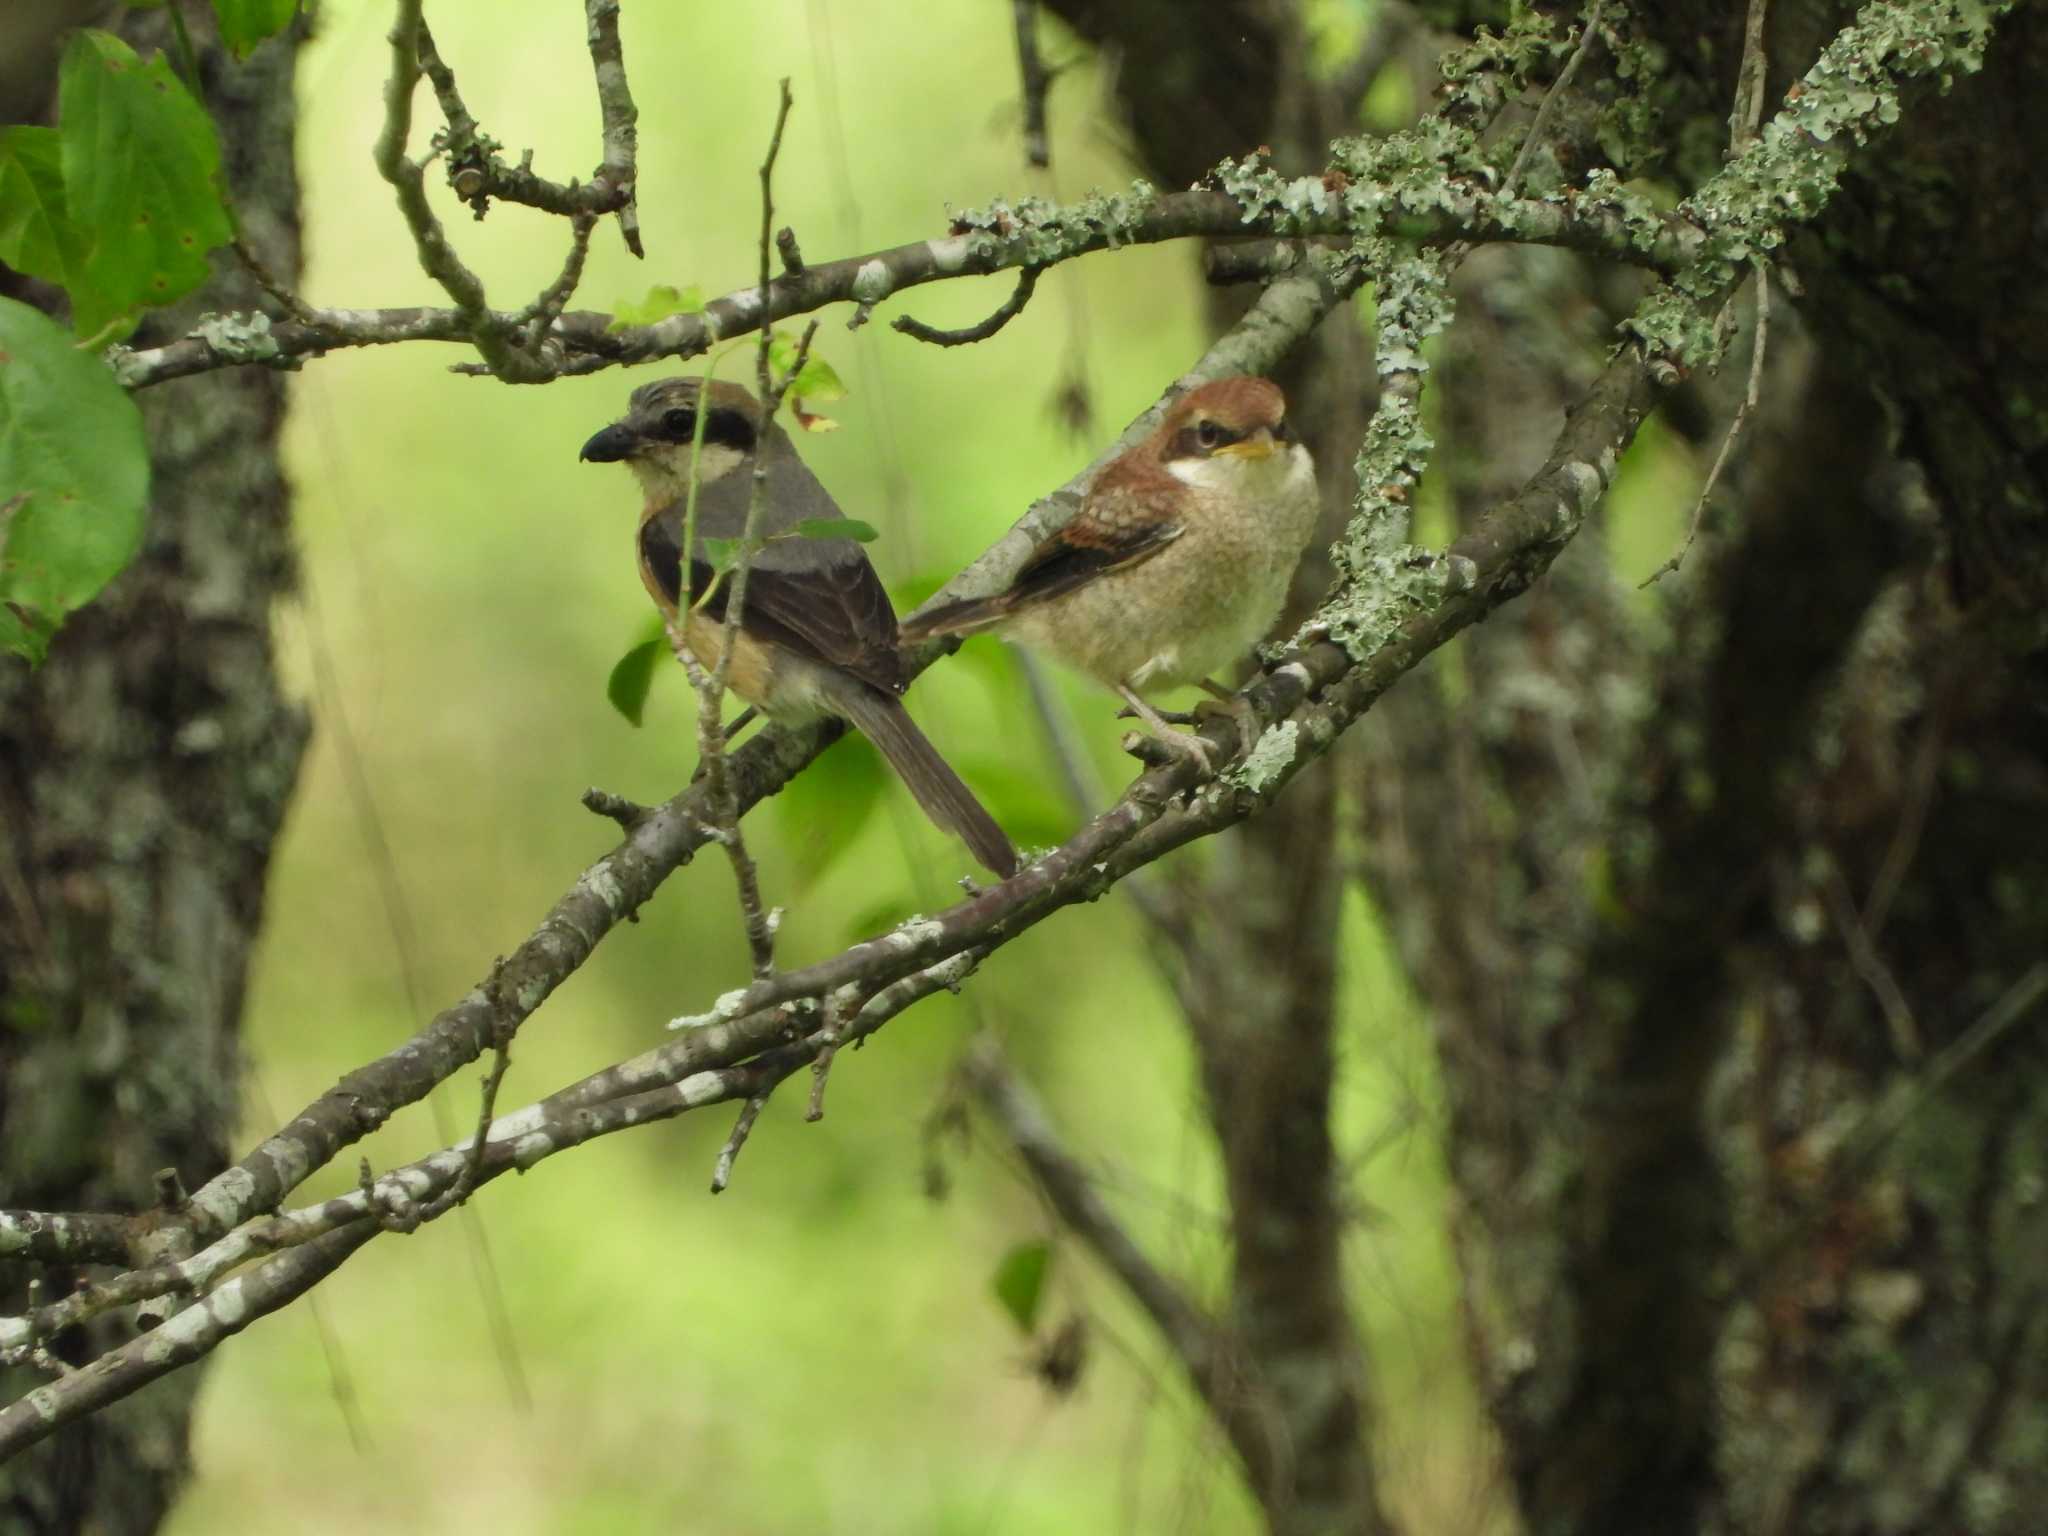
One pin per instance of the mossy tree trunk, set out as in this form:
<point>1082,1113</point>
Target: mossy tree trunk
<point>144,770</point>
<point>1733,932</point>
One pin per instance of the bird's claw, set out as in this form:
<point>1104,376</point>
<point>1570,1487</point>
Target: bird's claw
<point>1180,744</point>
<point>1239,711</point>
<point>1173,716</point>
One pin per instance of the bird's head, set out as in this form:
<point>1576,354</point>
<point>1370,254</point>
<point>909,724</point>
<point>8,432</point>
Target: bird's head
<point>1231,435</point>
<point>659,432</point>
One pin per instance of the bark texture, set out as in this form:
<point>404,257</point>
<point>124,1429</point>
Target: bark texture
<point>144,770</point>
<point>1731,924</point>
<point>1254,952</point>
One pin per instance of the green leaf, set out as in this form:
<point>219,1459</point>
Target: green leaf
<point>724,553</point>
<point>817,382</point>
<point>36,234</point>
<point>632,675</point>
<point>141,172</point>
<point>836,528</point>
<point>74,478</point>
<point>1020,1282</point>
<point>661,302</point>
<point>820,812</point>
<point>245,23</point>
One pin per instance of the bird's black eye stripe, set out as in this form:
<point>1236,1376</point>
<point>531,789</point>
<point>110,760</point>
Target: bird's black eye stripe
<point>1283,433</point>
<point>725,427</point>
<point>730,429</point>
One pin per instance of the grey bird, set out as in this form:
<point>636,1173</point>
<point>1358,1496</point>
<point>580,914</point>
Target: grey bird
<point>817,635</point>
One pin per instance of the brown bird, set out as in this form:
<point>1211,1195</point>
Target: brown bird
<point>817,635</point>
<point>1178,560</point>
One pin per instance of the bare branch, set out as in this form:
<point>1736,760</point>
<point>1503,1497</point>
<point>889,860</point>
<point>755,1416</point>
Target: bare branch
<point>1552,96</point>
<point>721,1171</point>
<point>1188,1331</point>
<point>1036,80</point>
<point>617,175</point>
<point>1008,310</point>
<point>407,178</point>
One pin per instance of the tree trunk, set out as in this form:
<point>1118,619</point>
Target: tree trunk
<point>144,770</point>
<point>1733,940</point>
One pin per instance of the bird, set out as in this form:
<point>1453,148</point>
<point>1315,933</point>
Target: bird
<point>1178,560</point>
<point>816,635</point>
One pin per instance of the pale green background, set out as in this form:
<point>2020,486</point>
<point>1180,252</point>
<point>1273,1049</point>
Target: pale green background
<point>817,1349</point>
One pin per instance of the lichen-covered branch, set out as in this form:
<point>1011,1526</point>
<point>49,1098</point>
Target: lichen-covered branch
<point>1002,237</point>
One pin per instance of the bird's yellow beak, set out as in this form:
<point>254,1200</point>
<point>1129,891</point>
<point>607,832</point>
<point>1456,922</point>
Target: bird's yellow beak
<point>1259,445</point>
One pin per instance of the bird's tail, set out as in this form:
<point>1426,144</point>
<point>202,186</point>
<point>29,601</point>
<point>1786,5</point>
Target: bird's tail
<point>937,788</point>
<point>965,616</point>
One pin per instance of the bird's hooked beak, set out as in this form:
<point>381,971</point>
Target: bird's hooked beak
<point>1254,445</point>
<point>615,443</point>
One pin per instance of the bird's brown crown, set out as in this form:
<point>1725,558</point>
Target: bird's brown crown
<point>650,400</point>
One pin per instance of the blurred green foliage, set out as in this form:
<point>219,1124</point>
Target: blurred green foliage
<point>821,1348</point>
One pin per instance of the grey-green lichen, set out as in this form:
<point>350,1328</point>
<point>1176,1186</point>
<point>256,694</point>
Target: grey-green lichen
<point>1795,165</point>
<point>1272,755</point>
<point>1383,578</point>
<point>237,336</point>
<point>1043,232</point>
<point>1479,76</point>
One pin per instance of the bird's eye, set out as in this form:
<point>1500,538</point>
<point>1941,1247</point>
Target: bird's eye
<point>1283,433</point>
<point>679,424</point>
<point>1209,435</point>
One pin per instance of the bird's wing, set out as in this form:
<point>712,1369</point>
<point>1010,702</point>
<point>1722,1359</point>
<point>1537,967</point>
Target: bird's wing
<point>826,603</point>
<point>1117,527</point>
<point>1114,531</point>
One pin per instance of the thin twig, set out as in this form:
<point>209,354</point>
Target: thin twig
<point>627,813</point>
<point>1748,115</point>
<point>1010,309</point>
<point>472,1167</point>
<point>407,180</point>
<point>1037,80</point>
<point>792,255</point>
<point>721,1171</point>
<point>477,173</point>
<point>1750,396</point>
<point>711,694</point>
<point>1744,124</point>
<point>546,308</point>
<point>1869,965</point>
<point>1190,1332</point>
<point>1552,97</point>
<point>1891,1113</point>
<point>619,115</point>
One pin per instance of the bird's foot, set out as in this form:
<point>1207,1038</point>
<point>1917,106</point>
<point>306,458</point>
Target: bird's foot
<point>1183,744</point>
<point>1239,711</point>
<point>1172,716</point>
